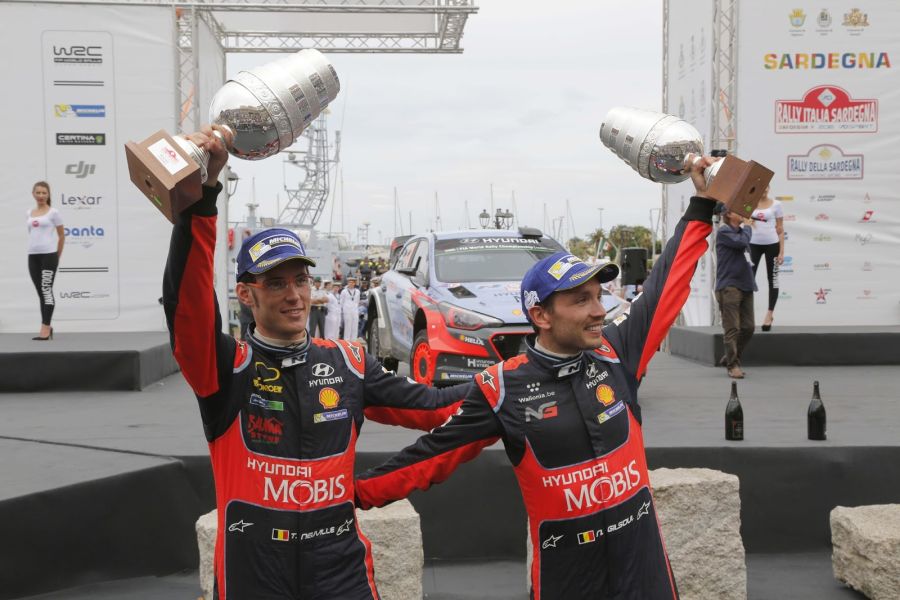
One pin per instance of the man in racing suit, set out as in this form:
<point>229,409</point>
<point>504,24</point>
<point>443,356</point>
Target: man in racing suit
<point>568,415</point>
<point>281,413</point>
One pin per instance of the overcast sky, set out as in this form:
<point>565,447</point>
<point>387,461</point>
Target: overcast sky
<point>520,108</point>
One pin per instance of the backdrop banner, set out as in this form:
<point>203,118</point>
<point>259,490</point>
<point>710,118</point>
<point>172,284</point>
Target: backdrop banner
<point>86,79</point>
<point>820,105</point>
<point>689,58</point>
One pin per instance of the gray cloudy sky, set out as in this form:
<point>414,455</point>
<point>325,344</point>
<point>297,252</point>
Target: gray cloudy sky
<point>520,108</point>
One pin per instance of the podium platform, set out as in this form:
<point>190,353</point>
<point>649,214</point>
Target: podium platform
<point>798,346</point>
<point>84,361</point>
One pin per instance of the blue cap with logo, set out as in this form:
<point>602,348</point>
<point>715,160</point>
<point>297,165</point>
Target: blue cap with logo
<point>558,272</point>
<point>268,249</point>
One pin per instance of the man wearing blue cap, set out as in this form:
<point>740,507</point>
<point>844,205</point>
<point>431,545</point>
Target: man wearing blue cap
<point>281,412</point>
<point>568,415</point>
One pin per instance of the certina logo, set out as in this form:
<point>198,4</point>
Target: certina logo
<point>598,486</point>
<point>80,169</point>
<point>80,139</point>
<point>547,410</point>
<point>77,54</point>
<point>304,491</point>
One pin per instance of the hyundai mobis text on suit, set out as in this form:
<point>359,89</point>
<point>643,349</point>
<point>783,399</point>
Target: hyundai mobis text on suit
<point>572,430</point>
<point>282,425</point>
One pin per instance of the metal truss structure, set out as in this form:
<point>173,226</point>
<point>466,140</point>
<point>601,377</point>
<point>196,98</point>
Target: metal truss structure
<point>446,18</point>
<point>725,46</point>
<point>306,202</point>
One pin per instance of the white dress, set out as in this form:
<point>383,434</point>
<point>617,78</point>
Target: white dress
<point>333,318</point>
<point>350,312</point>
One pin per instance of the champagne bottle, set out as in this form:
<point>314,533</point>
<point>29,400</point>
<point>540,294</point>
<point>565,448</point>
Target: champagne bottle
<point>815,416</point>
<point>734,416</point>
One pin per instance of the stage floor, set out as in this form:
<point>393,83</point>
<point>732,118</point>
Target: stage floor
<point>683,406</point>
<point>769,576</point>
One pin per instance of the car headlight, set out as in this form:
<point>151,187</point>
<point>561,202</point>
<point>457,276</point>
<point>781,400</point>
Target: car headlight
<point>461,318</point>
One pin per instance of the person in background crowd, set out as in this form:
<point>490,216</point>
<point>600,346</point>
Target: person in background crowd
<point>318,309</point>
<point>365,270</point>
<point>768,241</point>
<point>46,238</point>
<point>350,309</point>
<point>363,305</point>
<point>734,287</point>
<point>333,311</point>
<point>336,273</point>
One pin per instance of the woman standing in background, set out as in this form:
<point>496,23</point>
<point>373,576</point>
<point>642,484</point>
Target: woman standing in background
<point>768,242</point>
<point>46,238</point>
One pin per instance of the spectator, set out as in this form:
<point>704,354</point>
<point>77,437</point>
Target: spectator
<point>734,288</point>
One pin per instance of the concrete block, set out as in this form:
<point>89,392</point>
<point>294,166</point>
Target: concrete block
<point>699,512</point>
<point>866,549</point>
<point>206,527</point>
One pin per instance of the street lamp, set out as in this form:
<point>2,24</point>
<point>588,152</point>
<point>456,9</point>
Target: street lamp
<point>503,219</point>
<point>484,218</point>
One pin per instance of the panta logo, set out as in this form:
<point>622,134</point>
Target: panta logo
<point>603,489</point>
<point>75,54</point>
<point>322,370</point>
<point>547,410</point>
<point>84,232</point>
<point>265,376</point>
<point>80,169</point>
<point>304,491</point>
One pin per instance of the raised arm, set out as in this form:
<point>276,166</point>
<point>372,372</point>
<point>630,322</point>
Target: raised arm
<point>205,354</point>
<point>434,457</point>
<point>637,337</point>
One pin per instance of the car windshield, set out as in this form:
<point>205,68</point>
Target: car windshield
<point>489,259</point>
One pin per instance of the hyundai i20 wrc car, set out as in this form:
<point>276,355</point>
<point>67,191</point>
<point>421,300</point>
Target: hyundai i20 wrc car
<point>450,304</point>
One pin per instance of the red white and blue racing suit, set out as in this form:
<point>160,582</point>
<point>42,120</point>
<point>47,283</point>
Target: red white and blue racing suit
<point>282,426</point>
<point>572,430</point>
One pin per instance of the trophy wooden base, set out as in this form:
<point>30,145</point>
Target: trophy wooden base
<point>164,173</point>
<point>739,184</point>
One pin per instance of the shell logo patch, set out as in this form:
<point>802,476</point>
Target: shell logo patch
<point>605,395</point>
<point>329,398</point>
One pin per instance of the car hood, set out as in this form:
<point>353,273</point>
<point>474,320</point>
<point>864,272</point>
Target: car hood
<point>501,300</point>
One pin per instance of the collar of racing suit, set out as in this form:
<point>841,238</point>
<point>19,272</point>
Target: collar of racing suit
<point>563,366</point>
<point>289,355</point>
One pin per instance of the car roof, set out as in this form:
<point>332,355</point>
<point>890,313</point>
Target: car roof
<point>476,233</point>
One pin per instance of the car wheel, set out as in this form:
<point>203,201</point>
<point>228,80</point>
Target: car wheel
<point>373,341</point>
<point>422,361</point>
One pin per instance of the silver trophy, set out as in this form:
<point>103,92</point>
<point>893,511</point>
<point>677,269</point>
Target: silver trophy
<point>264,110</point>
<point>662,147</point>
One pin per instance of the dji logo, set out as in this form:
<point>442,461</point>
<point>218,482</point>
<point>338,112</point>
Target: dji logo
<point>80,170</point>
